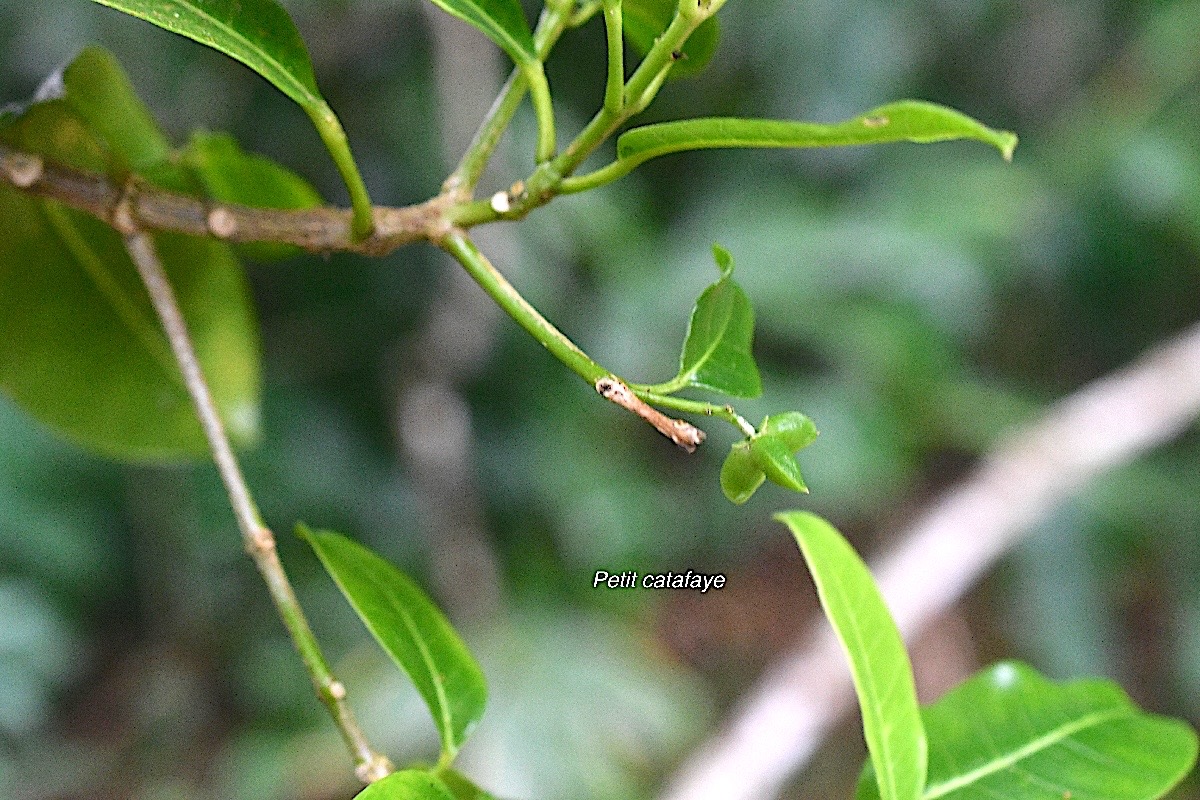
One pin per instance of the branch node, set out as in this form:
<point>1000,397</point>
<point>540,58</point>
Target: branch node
<point>221,223</point>
<point>376,768</point>
<point>682,433</point>
<point>23,169</point>
<point>122,214</point>
<point>337,690</point>
<point>260,541</point>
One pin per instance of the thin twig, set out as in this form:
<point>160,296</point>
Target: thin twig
<point>321,230</point>
<point>258,539</point>
<point>780,723</point>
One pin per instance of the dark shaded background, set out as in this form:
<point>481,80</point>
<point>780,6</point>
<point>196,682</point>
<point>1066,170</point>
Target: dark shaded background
<point>915,301</point>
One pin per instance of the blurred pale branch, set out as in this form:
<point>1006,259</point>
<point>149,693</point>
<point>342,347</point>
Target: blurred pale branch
<point>780,722</point>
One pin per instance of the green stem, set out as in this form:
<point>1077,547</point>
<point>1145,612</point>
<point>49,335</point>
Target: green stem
<point>330,130</point>
<point>543,109</point>
<point>680,404</point>
<point>585,12</point>
<point>508,298</point>
<point>639,91</point>
<point>466,175</point>
<point>614,90</point>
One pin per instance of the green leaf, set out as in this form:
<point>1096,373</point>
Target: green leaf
<point>879,664</point>
<point>768,454</point>
<point>906,120</point>
<point>102,97</point>
<point>410,784</point>
<point>775,459</point>
<point>80,345</point>
<point>261,35</point>
<point>231,175</point>
<point>741,474</point>
<point>258,33</point>
<point>461,787</point>
<point>502,21</point>
<point>412,630</point>
<point>716,352</point>
<point>1009,732</point>
<point>794,429</point>
<point>643,21</point>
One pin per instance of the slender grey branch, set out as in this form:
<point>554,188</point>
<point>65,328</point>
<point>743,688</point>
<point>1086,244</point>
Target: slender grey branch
<point>257,537</point>
<point>781,721</point>
<point>148,207</point>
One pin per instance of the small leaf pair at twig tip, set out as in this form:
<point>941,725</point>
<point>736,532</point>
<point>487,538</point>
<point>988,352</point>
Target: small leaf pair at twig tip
<point>682,433</point>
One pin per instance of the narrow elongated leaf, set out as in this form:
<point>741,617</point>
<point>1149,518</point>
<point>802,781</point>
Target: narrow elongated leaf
<point>1009,732</point>
<point>716,352</point>
<point>643,21</point>
<point>258,33</point>
<point>879,664</point>
<point>412,630</point>
<point>902,121</point>
<point>502,21</point>
<point>80,345</point>
<point>410,784</point>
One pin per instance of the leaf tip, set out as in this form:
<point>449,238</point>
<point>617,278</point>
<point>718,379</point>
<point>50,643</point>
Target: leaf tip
<point>724,260</point>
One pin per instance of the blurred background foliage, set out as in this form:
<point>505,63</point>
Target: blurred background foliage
<point>915,301</point>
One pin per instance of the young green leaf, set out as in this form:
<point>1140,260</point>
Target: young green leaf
<point>741,474</point>
<point>261,35</point>
<point>794,429</point>
<point>80,345</point>
<point>643,21</point>
<point>716,352</point>
<point>775,459</point>
<point>1009,732</point>
<point>410,784</point>
<point>902,121</point>
<point>412,630</point>
<point>879,663</point>
<point>768,454</point>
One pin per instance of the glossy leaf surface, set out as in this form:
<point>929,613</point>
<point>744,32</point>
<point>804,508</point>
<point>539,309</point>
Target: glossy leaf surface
<point>903,121</point>
<point>502,21</point>
<point>643,21</point>
<point>716,352</point>
<point>80,345</point>
<point>879,664</point>
<point>1010,732</point>
<point>409,784</point>
<point>261,35</point>
<point>412,630</point>
<point>258,33</point>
